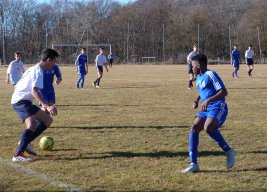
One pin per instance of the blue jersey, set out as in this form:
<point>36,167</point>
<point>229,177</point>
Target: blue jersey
<point>235,55</point>
<point>48,92</point>
<point>81,62</point>
<point>208,85</point>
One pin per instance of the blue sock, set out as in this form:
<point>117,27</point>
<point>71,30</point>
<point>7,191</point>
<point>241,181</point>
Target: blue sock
<point>217,136</point>
<point>193,145</point>
<point>235,72</point>
<point>26,138</point>
<point>41,127</point>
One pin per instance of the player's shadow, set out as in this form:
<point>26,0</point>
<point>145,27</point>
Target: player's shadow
<point>121,154</point>
<point>261,152</point>
<point>124,127</point>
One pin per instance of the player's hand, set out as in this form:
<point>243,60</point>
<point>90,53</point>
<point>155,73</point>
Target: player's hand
<point>204,105</point>
<point>195,105</point>
<point>52,110</point>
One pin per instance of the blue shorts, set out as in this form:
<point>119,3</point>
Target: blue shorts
<point>216,111</point>
<point>49,96</point>
<point>235,63</point>
<point>100,69</point>
<point>25,109</point>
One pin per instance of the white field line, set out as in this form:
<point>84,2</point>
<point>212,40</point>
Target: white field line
<point>40,176</point>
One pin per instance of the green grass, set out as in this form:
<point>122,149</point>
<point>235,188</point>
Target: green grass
<point>132,135</point>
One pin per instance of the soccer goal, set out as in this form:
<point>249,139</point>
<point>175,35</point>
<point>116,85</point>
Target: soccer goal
<point>148,60</point>
<point>69,52</point>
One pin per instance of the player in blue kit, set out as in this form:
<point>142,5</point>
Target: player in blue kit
<point>213,112</point>
<point>235,60</point>
<point>82,67</point>
<point>48,91</point>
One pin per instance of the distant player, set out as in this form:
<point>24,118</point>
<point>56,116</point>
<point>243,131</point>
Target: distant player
<point>26,90</point>
<point>189,63</point>
<point>82,68</point>
<point>212,115</point>
<point>110,58</point>
<point>15,69</point>
<point>235,60</point>
<point>100,61</point>
<point>249,54</point>
<point>48,91</point>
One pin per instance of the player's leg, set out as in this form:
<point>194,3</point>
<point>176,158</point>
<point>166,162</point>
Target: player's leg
<point>216,117</point>
<point>197,126</point>
<point>26,111</point>
<point>251,68</point>
<point>191,76</point>
<point>82,80</point>
<point>78,81</point>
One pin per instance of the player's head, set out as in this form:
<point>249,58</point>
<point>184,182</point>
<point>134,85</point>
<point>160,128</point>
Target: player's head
<point>195,47</point>
<point>49,58</point>
<point>235,46</point>
<point>83,50</point>
<point>250,46</point>
<point>199,63</point>
<point>101,50</point>
<point>17,55</point>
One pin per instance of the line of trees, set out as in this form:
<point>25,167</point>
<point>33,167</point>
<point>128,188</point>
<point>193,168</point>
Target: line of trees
<point>165,29</point>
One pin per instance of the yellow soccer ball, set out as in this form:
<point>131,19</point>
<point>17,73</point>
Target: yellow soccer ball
<point>46,143</point>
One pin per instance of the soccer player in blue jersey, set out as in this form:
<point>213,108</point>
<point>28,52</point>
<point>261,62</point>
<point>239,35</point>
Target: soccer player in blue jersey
<point>48,91</point>
<point>249,54</point>
<point>189,63</point>
<point>26,90</point>
<point>235,60</point>
<point>213,112</point>
<point>82,67</point>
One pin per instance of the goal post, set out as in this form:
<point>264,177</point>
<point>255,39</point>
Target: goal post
<point>69,52</point>
<point>149,60</point>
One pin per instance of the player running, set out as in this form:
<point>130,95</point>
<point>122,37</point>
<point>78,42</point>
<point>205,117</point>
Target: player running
<point>249,54</point>
<point>212,115</point>
<point>100,60</point>
<point>26,90</point>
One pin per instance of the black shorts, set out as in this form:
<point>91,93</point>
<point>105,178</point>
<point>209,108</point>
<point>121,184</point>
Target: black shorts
<point>25,109</point>
<point>100,69</point>
<point>190,68</point>
<point>250,61</point>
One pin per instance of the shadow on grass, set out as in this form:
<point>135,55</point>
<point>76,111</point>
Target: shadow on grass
<point>117,154</point>
<point>125,127</point>
<point>261,152</point>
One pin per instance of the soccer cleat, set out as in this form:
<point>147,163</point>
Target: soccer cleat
<point>230,155</point>
<point>193,168</point>
<point>21,157</point>
<point>30,150</point>
<point>93,84</point>
<point>97,87</point>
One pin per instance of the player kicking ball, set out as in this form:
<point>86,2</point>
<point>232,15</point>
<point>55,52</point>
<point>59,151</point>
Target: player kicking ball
<point>212,115</point>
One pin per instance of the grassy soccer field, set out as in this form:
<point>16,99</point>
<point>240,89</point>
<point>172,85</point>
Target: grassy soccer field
<point>132,135</point>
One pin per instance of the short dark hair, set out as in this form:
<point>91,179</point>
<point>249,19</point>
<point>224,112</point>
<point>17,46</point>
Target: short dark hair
<point>84,48</point>
<point>49,53</point>
<point>250,45</point>
<point>17,53</point>
<point>201,58</point>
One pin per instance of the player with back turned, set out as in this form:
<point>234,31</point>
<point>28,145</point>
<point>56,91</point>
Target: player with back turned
<point>189,63</point>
